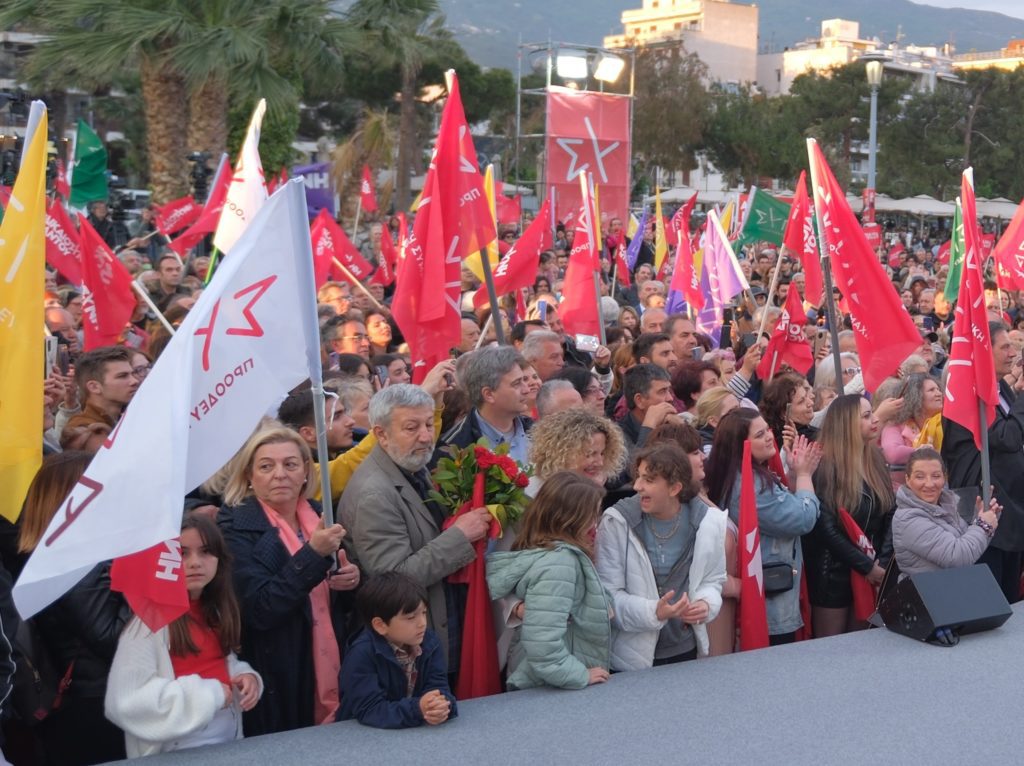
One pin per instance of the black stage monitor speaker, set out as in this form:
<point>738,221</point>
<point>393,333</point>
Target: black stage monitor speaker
<point>965,600</point>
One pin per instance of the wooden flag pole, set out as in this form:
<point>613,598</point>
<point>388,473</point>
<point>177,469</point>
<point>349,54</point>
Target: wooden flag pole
<point>351,278</point>
<point>986,467</point>
<point>144,294</point>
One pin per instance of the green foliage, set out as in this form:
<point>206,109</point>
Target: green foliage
<point>504,483</point>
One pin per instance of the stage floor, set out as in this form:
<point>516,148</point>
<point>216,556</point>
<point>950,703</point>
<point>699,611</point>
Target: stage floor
<point>869,697</point>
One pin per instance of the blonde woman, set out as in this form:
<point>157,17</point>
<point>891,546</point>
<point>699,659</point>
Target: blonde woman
<point>576,440</point>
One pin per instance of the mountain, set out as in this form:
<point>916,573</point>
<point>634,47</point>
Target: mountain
<point>491,31</point>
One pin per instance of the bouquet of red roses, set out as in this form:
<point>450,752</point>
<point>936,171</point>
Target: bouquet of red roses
<point>504,483</point>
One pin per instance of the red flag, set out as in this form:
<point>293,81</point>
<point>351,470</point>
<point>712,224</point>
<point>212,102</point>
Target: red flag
<point>585,238</point>
<point>367,194</point>
<point>799,238</point>
<point>942,255</point>
<point>685,279</point>
<point>207,221</point>
<point>588,131</point>
<point>680,222</point>
<point>518,266</point>
<point>61,185</point>
<point>753,617</point>
<point>108,300</point>
<point>177,215</point>
<point>621,267</point>
<point>863,591</point>
<point>897,250</point>
<point>153,583</point>
<point>452,221</point>
<point>883,330</point>
<point>330,242</point>
<point>972,375</point>
<point>323,249</point>
<point>385,273</point>
<point>1009,253</point>
<point>63,249</point>
<point>277,181</point>
<point>579,308</point>
<point>507,209</point>
<point>788,343</point>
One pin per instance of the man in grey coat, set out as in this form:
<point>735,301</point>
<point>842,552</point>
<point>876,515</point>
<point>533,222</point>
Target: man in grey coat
<point>394,526</point>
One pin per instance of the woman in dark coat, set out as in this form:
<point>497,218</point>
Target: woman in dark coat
<point>292,623</point>
<point>852,475</point>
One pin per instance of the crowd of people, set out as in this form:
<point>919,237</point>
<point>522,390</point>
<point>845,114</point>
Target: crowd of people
<point>625,558</point>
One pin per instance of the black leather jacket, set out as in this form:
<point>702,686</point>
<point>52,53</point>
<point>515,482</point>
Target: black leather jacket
<point>829,555</point>
<point>83,627</point>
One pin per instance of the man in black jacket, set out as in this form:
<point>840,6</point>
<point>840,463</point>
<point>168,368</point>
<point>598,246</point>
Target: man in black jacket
<point>1006,451</point>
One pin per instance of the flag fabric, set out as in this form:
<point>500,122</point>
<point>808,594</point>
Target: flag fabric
<point>972,375</point>
<point>63,250</point>
<point>799,238</point>
<point>753,616</point>
<point>367,191</point>
<point>474,261</point>
<point>108,299</point>
<point>788,344</point>
<point>636,240</point>
<point>765,220</point>
<point>89,169</point>
<point>509,210</point>
<point>157,600</point>
<point>685,285</point>
<point>207,221</point>
<point>248,189</point>
<point>330,242</point>
<point>385,273</point>
<point>60,183</point>
<point>22,359</point>
<point>864,593</point>
<point>660,240</point>
<point>579,309</point>
<point>452,221</point>
<point>725,278</point>
<point>884,333</point>
<point>276,182</point>
<point>586,226</point>
<point>956,255</point>
<point>250,338</point>
<point>680,222</point>
<point>319,187</point>
<point>1009,254</point>
<point>518,266</point>
<point>323,250</point>
<point>897,250</point>
<point>177,215</point>
<point>621,267</point>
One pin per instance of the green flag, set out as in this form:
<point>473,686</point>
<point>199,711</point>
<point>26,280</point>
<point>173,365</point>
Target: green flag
<point>89,169</point>
<point>766,219</point>
<point>956,256</point>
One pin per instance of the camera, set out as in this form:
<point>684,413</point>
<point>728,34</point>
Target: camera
<point>200,175</point>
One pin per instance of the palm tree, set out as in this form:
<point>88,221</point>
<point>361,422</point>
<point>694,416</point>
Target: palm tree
<point>402,34</point>
<point>372,143</point>
<point>192,57</point>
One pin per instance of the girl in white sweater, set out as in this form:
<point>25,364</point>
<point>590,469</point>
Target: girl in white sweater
<point>183,686</point>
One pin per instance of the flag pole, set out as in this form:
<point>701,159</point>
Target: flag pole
<point>351,278</point>
<point>355,226</point>
<point>986,468</point>
<point>593,243</point>
<point>485,265</point>
<point>771,291</point>
<point>830,301</point>
<point>144,294</point>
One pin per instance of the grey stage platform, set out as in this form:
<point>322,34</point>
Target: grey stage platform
<point>867,698</point>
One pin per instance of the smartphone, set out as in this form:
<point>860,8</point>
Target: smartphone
<point>51,355</point>
<point>542,310</point>
<point>789,412</point>
<point>382,375</point>
<point>748,339</point>
<point>588,343</point>
<point>63,358</point>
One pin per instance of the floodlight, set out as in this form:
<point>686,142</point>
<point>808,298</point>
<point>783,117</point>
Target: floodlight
<point>571,65</point>
<point>609,67</point>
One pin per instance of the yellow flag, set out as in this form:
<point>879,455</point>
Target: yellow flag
<point>22,358</point>
<point>597,217</point>
<point>660,241</point>
<point>726,217</point>
<point>473,259</point>
<point>632,227</point>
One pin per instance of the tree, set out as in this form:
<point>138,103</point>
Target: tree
<point>189,53</point>
<point>402,34</point>
<point>671,108</point>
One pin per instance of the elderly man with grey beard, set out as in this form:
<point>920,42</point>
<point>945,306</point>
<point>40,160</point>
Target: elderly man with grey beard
<point>392,522</point>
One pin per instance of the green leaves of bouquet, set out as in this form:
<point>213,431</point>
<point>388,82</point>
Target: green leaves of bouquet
<point>504,483</point>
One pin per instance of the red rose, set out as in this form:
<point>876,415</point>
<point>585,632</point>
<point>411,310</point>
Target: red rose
<point>508,465</point>
<point>522,480</point>
<point>484,458</point>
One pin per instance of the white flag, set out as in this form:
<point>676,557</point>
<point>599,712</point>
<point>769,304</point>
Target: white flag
<point>250,338</point>
<point>248,190</point>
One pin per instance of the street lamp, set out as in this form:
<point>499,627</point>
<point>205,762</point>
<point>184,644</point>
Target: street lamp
<point>874,72</point>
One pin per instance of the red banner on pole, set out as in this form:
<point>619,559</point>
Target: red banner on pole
<point>588,132</point>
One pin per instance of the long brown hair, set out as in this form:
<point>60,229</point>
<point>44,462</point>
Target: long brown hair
<point>53,482</point>
<point>564,511</point>
<point>217,601</point>
<point>848,462</point>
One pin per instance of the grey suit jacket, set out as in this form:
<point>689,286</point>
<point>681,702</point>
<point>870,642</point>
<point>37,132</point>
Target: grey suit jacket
<point>390,528</point>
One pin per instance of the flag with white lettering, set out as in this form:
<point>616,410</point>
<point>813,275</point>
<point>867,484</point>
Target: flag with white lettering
<point>206,223</point>
<point>153,583</point>
<point>248,189</point>
<point>367,194</point>
<point>331,244</point>
<point>108,299</point>
<point>177,215</point>
<point>63,250</point>
<point>250,338</point>
<point>753,617</point>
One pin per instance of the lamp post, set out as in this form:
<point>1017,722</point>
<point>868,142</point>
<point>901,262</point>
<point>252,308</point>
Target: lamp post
<point>874,72</point>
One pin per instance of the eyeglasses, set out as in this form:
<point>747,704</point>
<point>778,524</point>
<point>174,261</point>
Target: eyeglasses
<point>141,371</point>
<point>360,337</point>
<point>851,370</point>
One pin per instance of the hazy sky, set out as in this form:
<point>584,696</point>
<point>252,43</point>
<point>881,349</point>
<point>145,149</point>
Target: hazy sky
<point>1009,7</point>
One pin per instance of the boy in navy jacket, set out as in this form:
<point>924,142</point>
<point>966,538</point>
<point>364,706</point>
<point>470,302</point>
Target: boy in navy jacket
<point>394,675</point>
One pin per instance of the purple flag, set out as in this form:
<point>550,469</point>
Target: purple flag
<point>721,279</point>
<point>319,189</point>
<point>633,251</point>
